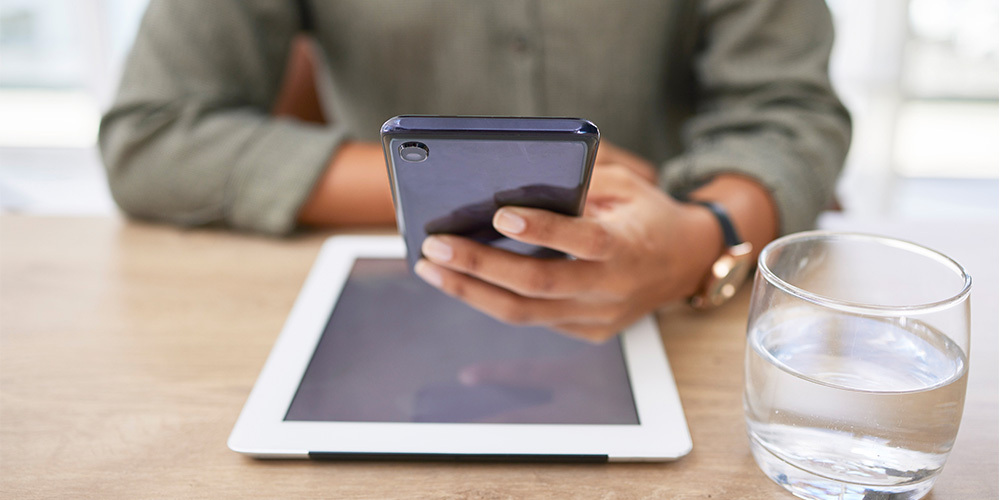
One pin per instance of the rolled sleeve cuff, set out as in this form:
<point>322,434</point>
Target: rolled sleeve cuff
<point>798,195</point>
<point>278,172</point>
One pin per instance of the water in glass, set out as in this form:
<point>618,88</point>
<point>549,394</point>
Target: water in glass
<point>848,406</point>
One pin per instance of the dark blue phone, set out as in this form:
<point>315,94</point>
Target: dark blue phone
<point>449,174</point>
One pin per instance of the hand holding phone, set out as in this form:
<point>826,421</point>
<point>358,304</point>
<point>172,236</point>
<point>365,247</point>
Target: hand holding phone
<point>635,249</point>
<point>449,175</point>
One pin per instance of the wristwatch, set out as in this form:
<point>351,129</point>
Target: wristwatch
<point>730,270</point>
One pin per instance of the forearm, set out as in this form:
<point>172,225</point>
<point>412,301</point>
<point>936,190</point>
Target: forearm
<point>235,167</point>
<point>353,191</point>
<point>189,141</point>
<point>766,109</point>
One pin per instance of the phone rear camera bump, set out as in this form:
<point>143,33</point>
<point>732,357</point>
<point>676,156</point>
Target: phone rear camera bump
<point>413,152</point>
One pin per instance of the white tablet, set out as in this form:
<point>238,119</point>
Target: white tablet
<point>374,364</point>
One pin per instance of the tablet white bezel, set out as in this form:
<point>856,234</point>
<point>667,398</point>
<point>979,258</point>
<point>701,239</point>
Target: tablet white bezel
<point>261,430</point>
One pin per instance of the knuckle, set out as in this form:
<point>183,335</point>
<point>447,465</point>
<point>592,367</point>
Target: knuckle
<point>473,262</point>
<point>513,312</point>
<point>539,224</point>
<point>540,280</point>
<point>455,287</point>
<point>600,243</point>
<point>452,284</point>
<point>600,285</point>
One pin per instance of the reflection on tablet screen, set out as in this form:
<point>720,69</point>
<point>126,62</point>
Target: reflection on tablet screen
<point>397,350</point>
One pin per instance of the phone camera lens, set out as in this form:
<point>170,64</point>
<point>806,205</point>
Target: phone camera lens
<point>413,152</point>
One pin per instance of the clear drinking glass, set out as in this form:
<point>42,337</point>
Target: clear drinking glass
<point>856,365</point>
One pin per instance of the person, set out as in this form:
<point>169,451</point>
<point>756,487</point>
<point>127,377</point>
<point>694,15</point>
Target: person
<point>727,101</point>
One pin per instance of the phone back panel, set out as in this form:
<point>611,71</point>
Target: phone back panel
<point>471,166</point>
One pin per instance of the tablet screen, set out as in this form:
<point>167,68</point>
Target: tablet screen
<point>397,350</point>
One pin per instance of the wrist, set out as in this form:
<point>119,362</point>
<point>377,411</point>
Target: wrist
<point>704,242</point>
<point>749,205</point>
<point>729,270</point>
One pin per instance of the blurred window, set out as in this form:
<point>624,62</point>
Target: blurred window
<point>60,65</point>
<point>947,122</point>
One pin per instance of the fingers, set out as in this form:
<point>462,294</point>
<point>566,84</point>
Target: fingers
<point>642,171</point>
<point>610,155</point>
<point>586,298</point>
<point>582,237</point>
<point>507,306</point>
<point>593,333</point>
<point>616,181</point>
<point>525,276</point>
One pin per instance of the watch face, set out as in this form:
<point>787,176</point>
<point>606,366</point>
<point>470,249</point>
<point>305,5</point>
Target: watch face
<point>728,286</point>
<point>728,274</point>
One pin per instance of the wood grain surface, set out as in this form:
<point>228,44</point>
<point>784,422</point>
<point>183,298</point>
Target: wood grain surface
<point>127,351</point>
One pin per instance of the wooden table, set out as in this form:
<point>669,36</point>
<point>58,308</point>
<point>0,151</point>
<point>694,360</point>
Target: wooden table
<point>128,351</point>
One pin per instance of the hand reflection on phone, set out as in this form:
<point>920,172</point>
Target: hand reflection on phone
<point>564,390</point>
<point>475,220</point>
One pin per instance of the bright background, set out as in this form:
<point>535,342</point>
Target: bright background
<point>919,76</point>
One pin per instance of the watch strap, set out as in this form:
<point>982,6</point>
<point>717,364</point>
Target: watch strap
<point>728,230</point>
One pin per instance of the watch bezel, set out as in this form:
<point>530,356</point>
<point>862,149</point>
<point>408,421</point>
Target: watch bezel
<point>727,274</point>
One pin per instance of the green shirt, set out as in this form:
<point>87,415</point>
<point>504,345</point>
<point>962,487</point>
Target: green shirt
<point>699,88</point>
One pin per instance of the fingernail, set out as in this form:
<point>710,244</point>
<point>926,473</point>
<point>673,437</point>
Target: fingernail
<point>437,250</point>
<point>509,222</point>
<point>428,273</point>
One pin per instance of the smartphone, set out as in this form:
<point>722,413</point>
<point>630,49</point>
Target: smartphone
<point>450,174</point>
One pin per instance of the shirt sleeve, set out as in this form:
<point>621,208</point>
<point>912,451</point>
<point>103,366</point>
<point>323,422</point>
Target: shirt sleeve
<point>189,138</point>
<point>765,107</point>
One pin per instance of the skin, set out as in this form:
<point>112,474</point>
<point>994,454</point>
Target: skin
<point>354,188</point>
<point>635,247</point>
<point>353,191</point>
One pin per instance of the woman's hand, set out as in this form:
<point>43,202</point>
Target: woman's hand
<point>635,249</point>
<point>610,155</point>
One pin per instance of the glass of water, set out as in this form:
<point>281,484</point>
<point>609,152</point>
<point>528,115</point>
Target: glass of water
<point>856,365</point>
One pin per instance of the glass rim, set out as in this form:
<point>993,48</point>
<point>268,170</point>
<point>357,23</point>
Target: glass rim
<point>857,307</point>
